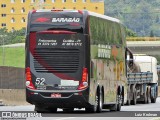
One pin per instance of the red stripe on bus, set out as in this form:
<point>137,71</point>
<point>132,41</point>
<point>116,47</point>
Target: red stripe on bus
<point>32,44</point>
<point>56,32</point>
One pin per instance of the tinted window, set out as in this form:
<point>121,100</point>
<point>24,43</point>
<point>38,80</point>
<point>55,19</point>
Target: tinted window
<point>72,21</point>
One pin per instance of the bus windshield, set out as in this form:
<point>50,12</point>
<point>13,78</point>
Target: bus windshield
<point>71,21</point>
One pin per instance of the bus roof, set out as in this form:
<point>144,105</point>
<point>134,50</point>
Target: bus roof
<point>104,17</point>
<point>89,12</point>
<point>56,10</point>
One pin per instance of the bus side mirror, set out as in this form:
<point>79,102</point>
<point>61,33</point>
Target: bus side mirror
<point>129,57</point>
<point>131,63</point>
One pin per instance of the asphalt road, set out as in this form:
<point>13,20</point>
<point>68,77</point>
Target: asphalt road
<point>137,107</point>
<point>132,112</point>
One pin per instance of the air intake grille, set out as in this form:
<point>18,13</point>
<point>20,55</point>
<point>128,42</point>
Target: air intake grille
<point>56,60</point>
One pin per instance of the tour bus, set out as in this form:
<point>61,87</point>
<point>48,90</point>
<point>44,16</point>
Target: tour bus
<point>75,59</point>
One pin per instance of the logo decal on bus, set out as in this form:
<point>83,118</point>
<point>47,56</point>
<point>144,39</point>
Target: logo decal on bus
<point>42,19</point>
<point>104,51</point>
<point>66,19</point>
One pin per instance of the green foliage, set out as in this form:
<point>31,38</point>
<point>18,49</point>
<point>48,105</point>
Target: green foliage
<point>104,32</point>
<point>11,37</point>
<point>158,59</point>
<point>141,16</point>
<point>151,33</point>
<point>143,38</point>
<point>3,31</point>
<point>12,57</point>
<point>130,33</point>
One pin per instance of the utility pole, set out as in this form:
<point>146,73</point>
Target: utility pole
<point>3,52</point>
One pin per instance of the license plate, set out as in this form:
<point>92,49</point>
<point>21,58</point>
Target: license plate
<point>55,95</point>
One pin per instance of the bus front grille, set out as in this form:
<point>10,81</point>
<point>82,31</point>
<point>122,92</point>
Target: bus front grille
<point>56,60</point>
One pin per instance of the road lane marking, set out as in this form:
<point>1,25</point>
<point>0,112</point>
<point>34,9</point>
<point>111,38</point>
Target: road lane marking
<point>65,118</point>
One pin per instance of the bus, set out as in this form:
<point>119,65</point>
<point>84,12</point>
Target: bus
<point>75,59</point>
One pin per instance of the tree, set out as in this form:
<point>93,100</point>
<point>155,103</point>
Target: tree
<point>130,33</point>
<point>157,19</point>
<point>3,36</point>
<point>138,15</point>
<point>151,33</point>
<point>10,37</point>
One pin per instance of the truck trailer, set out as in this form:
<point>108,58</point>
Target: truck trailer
<point>142,79</point>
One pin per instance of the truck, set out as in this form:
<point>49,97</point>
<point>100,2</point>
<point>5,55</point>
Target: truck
<point>142,79</point>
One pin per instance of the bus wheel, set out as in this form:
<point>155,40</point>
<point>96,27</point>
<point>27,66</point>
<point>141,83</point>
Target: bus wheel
<point>68,109</point>
<point>128,97</point>
<point>100,101</point>
<point>128,102</point>
<point>134,101</point>
<point>122,97</point>
<point>93,108</point>
<point>119,99</point>
<point>145,97</point>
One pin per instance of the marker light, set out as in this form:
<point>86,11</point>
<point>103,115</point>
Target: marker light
<point>84,81</point>
<point>29,83</point>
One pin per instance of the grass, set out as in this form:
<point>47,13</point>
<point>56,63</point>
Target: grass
<point>12,57</point>
<point>143,38</point>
